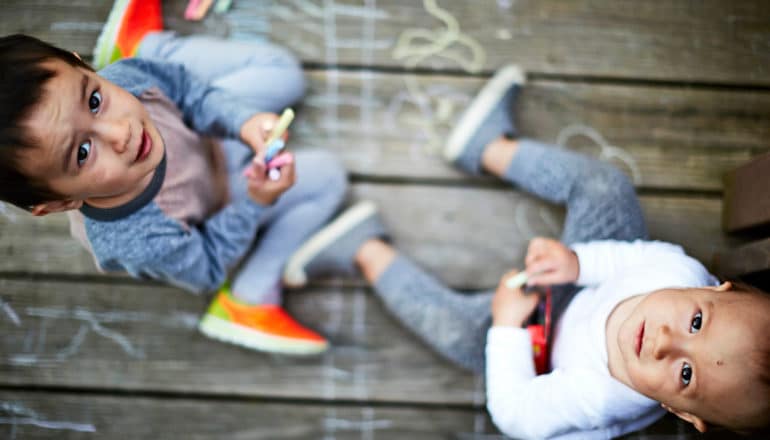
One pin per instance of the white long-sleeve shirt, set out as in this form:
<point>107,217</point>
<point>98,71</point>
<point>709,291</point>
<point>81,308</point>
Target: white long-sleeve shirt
<point>579,398</point>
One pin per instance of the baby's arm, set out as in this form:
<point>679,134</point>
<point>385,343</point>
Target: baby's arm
<point>523,405</point>
<point>512,386</point>
<point>600,260</point>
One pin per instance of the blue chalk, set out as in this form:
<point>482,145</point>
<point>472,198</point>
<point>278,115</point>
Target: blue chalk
<point>273,149</point>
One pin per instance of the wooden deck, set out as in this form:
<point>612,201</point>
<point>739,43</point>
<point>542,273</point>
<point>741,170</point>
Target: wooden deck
<point>675,93</point>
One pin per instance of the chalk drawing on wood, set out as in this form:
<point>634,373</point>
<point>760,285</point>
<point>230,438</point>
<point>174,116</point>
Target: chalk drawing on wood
<point>15,414</point>
<point>607,152</point>
<point>417,44</point>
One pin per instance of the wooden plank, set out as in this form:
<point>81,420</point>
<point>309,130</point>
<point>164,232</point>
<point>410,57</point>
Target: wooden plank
<point>711,41</point>
<point>73,416</point>
<point>747,205</point>
<point>108,336</point>
<point>469,236</point>
<point>743,260</point>
<point>664,137</point>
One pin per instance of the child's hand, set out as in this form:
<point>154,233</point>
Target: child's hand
<point>512,307</point>
<point>256,130</point>
<point>266,191</point>
<point>550,262</point>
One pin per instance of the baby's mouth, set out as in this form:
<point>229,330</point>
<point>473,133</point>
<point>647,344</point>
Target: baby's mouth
<point>144,147</point>
<point>639,339</point>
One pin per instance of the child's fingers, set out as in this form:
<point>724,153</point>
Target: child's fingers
<point>537,248</point>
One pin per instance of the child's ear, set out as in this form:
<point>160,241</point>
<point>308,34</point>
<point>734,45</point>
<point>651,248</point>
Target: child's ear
<point>696,421</point>
<point>724,287</point>
<point>55,206</point>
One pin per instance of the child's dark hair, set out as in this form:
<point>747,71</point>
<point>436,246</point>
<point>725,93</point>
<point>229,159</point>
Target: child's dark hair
<point>759,362</point>
<point>22,77</point>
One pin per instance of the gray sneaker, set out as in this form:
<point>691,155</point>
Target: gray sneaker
<point>332,250</point>
<point>487,118</point>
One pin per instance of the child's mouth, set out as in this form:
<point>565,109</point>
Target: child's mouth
<point>639,339</point>
<point>145,147</point>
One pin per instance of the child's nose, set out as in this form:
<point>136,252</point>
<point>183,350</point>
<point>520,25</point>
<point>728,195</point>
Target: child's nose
<point>666,343</point>
<point>115,133</point>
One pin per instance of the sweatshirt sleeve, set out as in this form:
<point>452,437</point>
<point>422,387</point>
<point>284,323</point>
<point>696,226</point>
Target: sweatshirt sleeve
<point>523,405</point>
<point>148,244</point>
<point>600,260</point>
<point>205,108</point>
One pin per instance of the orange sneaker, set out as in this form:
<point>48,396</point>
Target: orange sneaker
<point>260,327</point>
<point>129,21</point>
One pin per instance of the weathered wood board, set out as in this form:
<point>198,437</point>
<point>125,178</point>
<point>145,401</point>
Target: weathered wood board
<point>663,137</point>
<point>709,41</point>
<point>82,416</point>
<point>111,336</point>
<point>469,236</point>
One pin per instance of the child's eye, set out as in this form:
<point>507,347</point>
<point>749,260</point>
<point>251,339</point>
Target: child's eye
<point>696,322</point>
<point>95,101</point>
<point>84,150</point>
<point>686,374</point>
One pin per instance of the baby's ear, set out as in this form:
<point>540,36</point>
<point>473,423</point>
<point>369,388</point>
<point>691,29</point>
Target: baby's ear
<point>55,206</point>
<point>724,287</point>
<point>696,421</point>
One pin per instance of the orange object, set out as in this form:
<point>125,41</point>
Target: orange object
<point>265,327</point>
<point>539,334</point>
<point>129,21</point>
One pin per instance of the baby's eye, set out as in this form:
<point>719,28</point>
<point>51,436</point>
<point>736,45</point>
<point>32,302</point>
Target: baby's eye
<point>696,322</point>
<point>84,150</point>
<point>686,374</point>
<point>95,101</point>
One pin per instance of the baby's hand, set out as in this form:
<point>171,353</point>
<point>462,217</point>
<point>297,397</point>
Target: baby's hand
<point>266,191</point>
<point>512,307</point>
<point>550,262</point>
<point>256,130</point>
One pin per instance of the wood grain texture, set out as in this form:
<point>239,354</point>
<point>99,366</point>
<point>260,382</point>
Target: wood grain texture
<point>396,125</point>
<point>469,236</point>
<point>110,336</point>
<point>707,41</point>
<point>73,416</point>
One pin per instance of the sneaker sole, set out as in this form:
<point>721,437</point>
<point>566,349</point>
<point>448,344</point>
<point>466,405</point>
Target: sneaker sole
<point>109,34</point>
<point>294,273</point>
<point>226,331</point>
<point>479,109</point>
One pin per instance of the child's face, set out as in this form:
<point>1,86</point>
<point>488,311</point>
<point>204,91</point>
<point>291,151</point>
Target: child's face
<point>687,348</point>
<point>96,141</point>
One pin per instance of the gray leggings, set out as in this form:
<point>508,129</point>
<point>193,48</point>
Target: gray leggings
<point>601,204</point>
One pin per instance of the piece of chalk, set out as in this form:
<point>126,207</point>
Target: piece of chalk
<point>273,149</point>
<point>280,127</point>
<point>517,280</point>
<point>273,174</point>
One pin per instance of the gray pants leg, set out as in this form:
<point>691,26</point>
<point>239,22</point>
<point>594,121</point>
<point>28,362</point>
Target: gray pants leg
<point>601,204</point>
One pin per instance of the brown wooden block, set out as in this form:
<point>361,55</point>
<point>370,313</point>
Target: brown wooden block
<point>747,203</point>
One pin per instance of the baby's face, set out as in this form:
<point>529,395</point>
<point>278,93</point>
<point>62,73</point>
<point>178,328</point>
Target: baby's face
<point>95,141</point>
<point>688,349</point>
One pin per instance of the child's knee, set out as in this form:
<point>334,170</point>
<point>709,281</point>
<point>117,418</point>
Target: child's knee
<point>290,73</point>
<point>327,173</point>
<point>609,183</point>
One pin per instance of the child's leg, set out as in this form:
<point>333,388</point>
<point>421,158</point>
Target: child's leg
<point>601,201</point>
<point>265,75</point>
<point>298,213</point>
<point>451,323</point>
